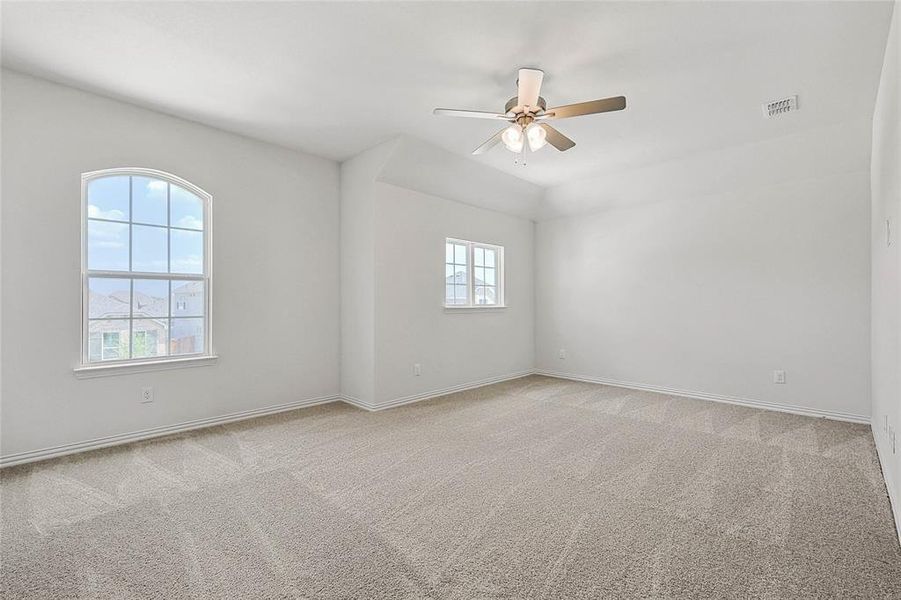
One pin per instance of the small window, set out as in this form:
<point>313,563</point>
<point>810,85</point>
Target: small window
<point>473,274</point>
<point>145,267</point>
<point>111,349</point>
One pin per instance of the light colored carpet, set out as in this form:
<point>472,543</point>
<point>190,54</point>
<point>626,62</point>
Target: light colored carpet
<point>533,488</point>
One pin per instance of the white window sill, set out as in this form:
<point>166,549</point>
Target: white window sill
<point>449,308</point>
<point>108,370</point>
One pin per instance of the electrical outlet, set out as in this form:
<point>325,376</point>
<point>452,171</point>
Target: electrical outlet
<point>778,376</point>
<point>562,354</point>
<point>417,369</point>
<point>146,394</point>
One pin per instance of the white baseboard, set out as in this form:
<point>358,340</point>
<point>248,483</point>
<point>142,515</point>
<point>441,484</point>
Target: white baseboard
<point>124,438</point>
<point>889,487</point>
<point>144,434</point>
<point>47,453</point>
<point>798,410</point>
<point>373,406</point>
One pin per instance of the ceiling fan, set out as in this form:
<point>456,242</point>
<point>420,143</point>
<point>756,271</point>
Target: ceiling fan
<point>528,114</point>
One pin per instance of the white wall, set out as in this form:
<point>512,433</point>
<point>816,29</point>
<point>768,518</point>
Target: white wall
<point>392,251</point>
<point>886,265</point>
<point>275,251</point>
<point>701,279</point>
<point>358,271</point>
<point>412,326</point>
<point>420,166</point>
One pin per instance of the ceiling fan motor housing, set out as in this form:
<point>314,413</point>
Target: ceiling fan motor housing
<point>514,102</point>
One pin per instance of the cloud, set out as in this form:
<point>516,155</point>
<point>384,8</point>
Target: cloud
<point>155,188</point>
<point>187,264</point>
<point>95,212</point>
<point>107,235</point>
<point>190,222</point>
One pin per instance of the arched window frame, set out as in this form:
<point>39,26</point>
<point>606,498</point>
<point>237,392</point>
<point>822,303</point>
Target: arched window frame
<point>88,368</point>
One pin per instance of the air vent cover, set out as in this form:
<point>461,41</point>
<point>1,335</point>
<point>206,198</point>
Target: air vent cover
<point>780,107</point>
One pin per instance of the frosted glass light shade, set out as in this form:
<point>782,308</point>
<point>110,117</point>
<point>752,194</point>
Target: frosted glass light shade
<point>513,138</point>
<point>537,136</point>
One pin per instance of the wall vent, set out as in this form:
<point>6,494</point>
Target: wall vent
<point>780,107</point>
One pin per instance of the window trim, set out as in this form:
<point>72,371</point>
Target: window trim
<point>500,267</point>
<point>208,356</point>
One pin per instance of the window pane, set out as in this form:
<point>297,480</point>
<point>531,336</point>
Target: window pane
<point>148,249</point>
<point>490,256</point>
<point>151,298</point>
<point>449,253</point>
<point>489,276</point>
<point>480,295</point>
<point>479,258</point>
<point>108,198</point>
<point>94,346</point>
<point>490,295</point>
<point>149,200</point>
<point>186,208</point>
<point>187,299</point>
<point>108,297</point>
<point>107,246</point>
<point>449,272</point>
<point>149,337</point>
<point>186,336</point>
<point>458,275</point>
<point>459,254</point>
<point>449,294</point>
<point>460,293</point>
<point>187,251</point>
<point>479,275</point>
<point>108,340</point>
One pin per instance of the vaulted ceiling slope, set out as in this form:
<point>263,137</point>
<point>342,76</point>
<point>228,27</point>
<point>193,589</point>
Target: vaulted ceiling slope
<point>336,78</point>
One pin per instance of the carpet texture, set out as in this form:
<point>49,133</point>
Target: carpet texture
<point>532,488</point>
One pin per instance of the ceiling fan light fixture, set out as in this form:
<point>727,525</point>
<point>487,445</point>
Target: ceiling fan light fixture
<point>527,113</point>
<point>537,136</point>
<point>513,138</point>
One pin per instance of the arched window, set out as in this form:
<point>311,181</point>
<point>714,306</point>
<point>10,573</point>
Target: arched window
<point>145,267</point>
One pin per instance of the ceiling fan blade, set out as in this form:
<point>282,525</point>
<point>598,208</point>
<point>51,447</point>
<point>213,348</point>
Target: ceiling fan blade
<point>489,143</point>
<point>472,114</point>
<point>529,84</point>
<point>557,139</point>
<point>586,108</point>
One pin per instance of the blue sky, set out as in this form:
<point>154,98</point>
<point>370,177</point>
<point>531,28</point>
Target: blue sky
<point>108,198</point>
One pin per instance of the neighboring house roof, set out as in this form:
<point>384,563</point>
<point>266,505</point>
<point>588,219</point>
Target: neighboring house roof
<point>459,278</point>
<point>116,304</point>
<point>188,287</point>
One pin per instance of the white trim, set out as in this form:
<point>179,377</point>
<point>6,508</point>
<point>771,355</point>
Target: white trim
<point>456,308</point>
<point>788,408</point>
<point>377,406</point>
<point>500,281</point>
<point>126,368</point>
<point>889,488</point>
<point>145,434</point>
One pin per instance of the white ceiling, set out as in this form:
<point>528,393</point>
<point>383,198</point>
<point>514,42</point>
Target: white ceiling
<point>336,78</point>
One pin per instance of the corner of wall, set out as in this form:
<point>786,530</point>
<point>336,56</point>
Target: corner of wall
<point>357,285</point>
<point>885,297</point>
